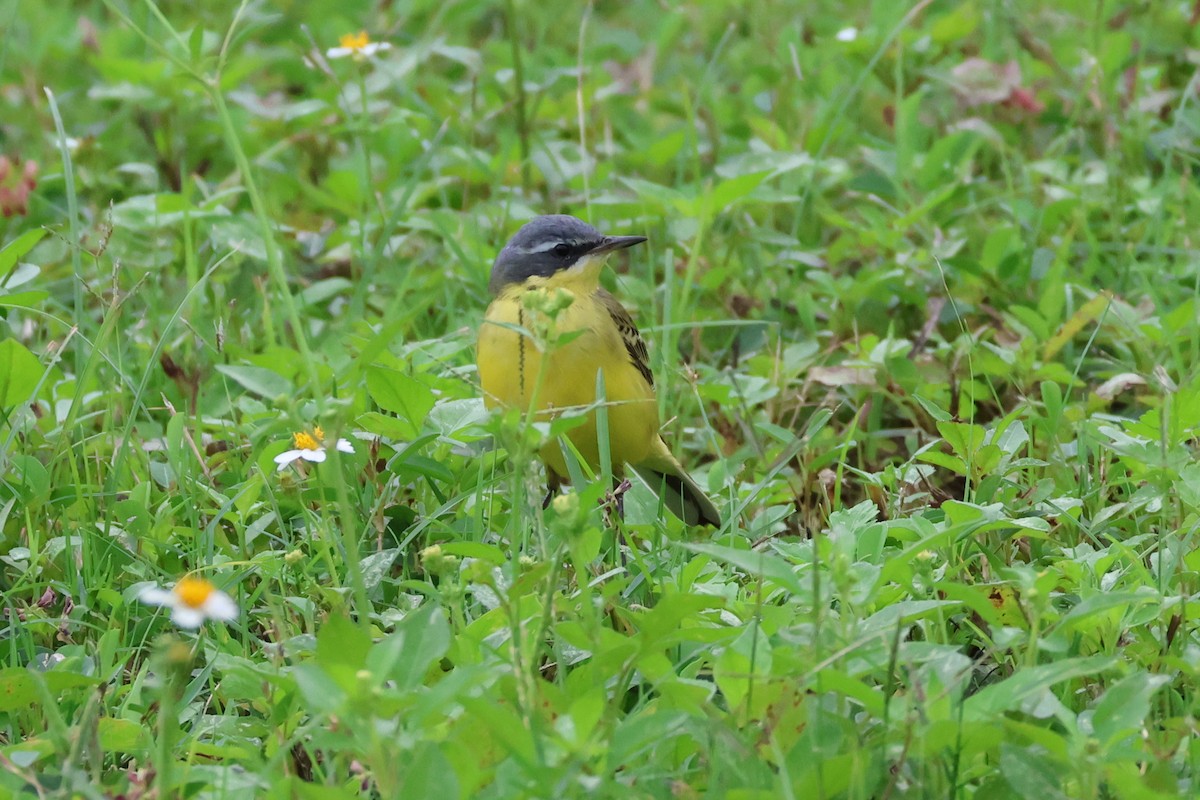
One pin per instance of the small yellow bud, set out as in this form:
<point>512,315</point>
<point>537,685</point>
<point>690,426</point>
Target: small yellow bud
<point>437,562</point>
<point>548,302</point>
<point>565,504</point>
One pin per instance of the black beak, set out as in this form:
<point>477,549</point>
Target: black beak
<point>610,243</point>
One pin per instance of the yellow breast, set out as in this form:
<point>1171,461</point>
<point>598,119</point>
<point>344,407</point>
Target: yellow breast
<point>517,370</point>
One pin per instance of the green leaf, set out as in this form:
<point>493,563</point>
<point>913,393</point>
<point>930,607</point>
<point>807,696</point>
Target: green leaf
<point>20,372</point>
<point>1000,242</point>
<point>122,736</point>
<point>964,438</point>
<point>260,381</point>
<point>429,775</point>
<point>487,552</point>
<point>23,299</point>
<point>31,478</point>
<point>944,460</point>
<point>450,417</point>
<point>408,398</point>
<point>420,639</point>
<point>1104,602</point>
<point>740,663</point>
<point>1031,773</point>
<point>375,567</point>
<point>932,409</point>
<point>382,425</point>
<point>995,699</point>
<point>17,689</point>
<point>324,290</point>
<point>17,248</point>
<point>1122,709</point>
<point>341,642</point>
<point>196,43</point>
<point>888,617</point>
<point>726,193</point>
<point>764,565</point>
<point>321,693</point>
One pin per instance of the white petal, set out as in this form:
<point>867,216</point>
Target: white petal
<point>338,52</point>
<point>313,455</point>
<point>287,457</point>
<point>220,606</point>
<point>186,617</point>
<point>153,595</point>
<point>344,446</point>
<point>375,47</point>
<point>847,34</point>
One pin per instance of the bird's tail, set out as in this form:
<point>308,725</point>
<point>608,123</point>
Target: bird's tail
<point>678,491</point>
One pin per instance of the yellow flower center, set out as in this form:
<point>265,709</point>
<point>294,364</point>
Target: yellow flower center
<point>193,592</point>
<point>354,41</point>
<point>309,441</point>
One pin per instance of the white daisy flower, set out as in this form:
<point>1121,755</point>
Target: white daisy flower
<point>192,600</point>
<point>358,45</point>
<point>310,447</point>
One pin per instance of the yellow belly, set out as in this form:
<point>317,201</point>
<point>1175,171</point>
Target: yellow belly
<point>510,364</point>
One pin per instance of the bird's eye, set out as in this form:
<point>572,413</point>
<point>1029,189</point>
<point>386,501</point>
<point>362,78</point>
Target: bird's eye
<point>562,249</point>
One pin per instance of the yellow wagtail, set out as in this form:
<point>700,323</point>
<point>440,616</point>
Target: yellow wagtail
<point>595,334</point>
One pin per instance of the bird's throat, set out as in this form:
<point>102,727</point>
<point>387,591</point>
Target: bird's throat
<point>583,277</point>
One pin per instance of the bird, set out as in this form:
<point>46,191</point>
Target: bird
<point>563,256</point>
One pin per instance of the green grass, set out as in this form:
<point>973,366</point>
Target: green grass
<point>930,339</point>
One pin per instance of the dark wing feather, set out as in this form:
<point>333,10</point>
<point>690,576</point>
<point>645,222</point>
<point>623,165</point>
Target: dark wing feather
<point>635,345</point>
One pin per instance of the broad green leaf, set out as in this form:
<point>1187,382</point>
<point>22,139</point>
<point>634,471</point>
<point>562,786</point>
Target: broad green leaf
<point>260,381</point>
<point>728,192</point>
<point>1031,773</point>
<point>375,567</point>
<point>405,396</point>
<point>23,299</point>
<point>451,417</point>
<point>429,775</point>
<point>944,460</point>
<point>932,409</point>
<point>764,565</point>
<point>1104,602</point>
<point>964,438</point>
<point>888,617</point>
<point>743,661</point>
<point>382,425</point>
<point>1123,708</point>
<point>341,643</point>
<point>487,552</point>
<point>672,613</point>
<point>419,640</point>
<point>122,736</point>
<point>20,372</point>
<point>17,689</point>
<point>321,693</point>
<point>17,248</point>
<point>324,290</point>
<point>1008,694</point>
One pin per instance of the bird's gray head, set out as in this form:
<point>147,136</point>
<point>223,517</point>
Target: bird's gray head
<point>546,245</point>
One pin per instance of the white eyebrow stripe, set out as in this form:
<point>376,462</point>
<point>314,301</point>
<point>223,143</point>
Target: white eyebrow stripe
<point>553,243</point>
